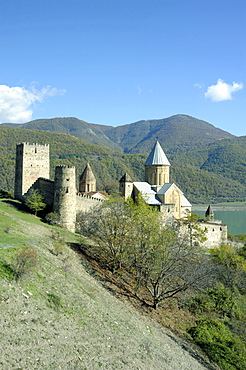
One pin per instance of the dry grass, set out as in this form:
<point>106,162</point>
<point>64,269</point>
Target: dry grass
<point>59,316</point>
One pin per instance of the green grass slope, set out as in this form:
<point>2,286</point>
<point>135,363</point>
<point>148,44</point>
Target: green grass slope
<point>58,316</point>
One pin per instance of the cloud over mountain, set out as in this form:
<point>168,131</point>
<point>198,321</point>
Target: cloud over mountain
<point>16,103</point>
<point>222,91</point>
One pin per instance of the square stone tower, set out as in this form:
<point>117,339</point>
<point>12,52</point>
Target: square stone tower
<point>32,162</point>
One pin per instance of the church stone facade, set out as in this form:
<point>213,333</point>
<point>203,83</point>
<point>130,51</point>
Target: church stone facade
<point>158,191</point>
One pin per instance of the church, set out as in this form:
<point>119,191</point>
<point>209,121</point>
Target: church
<point>157,190</point>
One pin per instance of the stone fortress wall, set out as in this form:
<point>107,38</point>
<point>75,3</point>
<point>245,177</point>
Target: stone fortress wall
<point>216,233</point>
<point>33,171</point>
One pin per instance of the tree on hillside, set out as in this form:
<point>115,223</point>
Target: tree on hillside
<point>231,267</point>
<point>194,232</point>
<point>110,227</point>
<point>163,262</point>
<point>35,201</point>
<point>132,236</point>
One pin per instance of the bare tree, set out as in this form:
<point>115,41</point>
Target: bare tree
<point>131,235</point>
<point>110,227</point>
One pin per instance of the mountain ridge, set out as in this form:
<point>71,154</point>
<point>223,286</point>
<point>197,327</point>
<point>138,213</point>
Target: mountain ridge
<point>137,137</point>
<point>210,173</point>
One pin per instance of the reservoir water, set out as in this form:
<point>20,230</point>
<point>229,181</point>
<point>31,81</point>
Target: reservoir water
<point>233,216</point>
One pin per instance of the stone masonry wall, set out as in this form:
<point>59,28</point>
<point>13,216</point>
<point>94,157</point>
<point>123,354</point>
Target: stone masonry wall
<point>216,234</point>
<point>86,203</point>
<point>65,196</point>
<point>32,162</point>
<point>46,188</point>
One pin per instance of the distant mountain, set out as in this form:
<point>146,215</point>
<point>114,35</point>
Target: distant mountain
<point>71,126</point>
<point>176,132</point>
<point>173,132</point>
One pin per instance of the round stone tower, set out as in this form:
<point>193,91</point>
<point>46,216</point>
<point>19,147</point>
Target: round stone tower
<point>65,196</point>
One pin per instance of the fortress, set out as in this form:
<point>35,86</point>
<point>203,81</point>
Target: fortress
<point>33,172</point>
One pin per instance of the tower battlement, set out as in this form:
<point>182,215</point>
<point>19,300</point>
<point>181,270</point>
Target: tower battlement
<point>63,166</point>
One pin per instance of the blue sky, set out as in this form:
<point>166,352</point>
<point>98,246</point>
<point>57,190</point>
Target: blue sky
<point>119,61</point>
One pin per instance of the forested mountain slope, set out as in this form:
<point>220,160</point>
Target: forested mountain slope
<point>211,173</point>
<point>72,126</point>
<point>179,131</point>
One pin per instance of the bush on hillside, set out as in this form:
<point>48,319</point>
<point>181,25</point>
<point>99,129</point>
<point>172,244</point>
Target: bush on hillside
<point>26,260</point>
<point>227,350</point>
<point>6,194</point>
<point>52,218</point>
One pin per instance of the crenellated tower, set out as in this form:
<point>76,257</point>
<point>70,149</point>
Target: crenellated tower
<point>32,162</point>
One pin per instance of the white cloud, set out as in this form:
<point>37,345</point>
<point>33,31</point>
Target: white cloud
<point>222,91</point>
<point>16,103</point>
<point>200,86</point>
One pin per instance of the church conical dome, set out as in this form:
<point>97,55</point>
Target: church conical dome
<point>209,213</point>
<point>157,156</point>
<point>157,167</point>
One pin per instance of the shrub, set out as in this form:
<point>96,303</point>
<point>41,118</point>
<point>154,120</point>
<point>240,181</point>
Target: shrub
<point>35,201</point>
<point>52,218</point>
<point>26,260</point>
<point>6,194</point>
<point>54,301</point>
<point>227,350</point>
<point>6,270</point>
<point>218,300</point>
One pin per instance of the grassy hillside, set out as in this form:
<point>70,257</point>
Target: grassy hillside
<point>191,169</point>
<point>58,316</point>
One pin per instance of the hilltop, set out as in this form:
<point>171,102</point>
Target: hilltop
<point>179,131</point>
<point>60,316</point>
